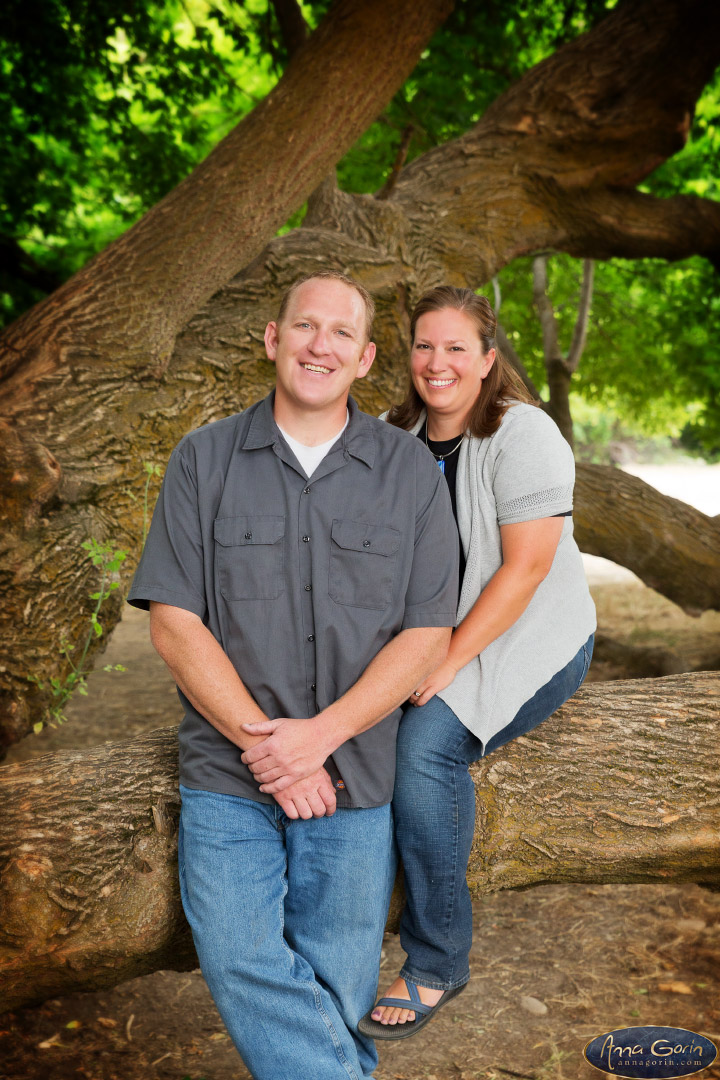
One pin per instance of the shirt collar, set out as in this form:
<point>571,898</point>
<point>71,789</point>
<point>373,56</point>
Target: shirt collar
<point>358,438</point>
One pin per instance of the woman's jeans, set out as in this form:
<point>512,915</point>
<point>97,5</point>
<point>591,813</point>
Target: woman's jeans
<point>287,918</point>
<point>434,808</point>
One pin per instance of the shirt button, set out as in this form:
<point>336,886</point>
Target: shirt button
<point>308,588</point>
<point>248,536</point>
<point>312,686</point>
<point>366,543</point>
<point>306,491</point>
<point>311,637</point>
<point>306,539</point>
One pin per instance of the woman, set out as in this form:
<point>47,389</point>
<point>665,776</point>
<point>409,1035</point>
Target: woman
<point>524,631</point>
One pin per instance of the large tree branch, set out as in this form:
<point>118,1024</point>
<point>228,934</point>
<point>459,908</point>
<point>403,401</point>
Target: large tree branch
<point>632,225</point>
<point>198,236</point>
<point>555,161</point>
<point>601,792</point>
<point>671,546</point>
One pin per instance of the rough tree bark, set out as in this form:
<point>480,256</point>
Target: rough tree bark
<point>620,785</point>
<point>124,359</point>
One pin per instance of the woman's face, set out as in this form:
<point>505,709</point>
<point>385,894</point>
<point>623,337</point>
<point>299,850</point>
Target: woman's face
<point>448,364</point>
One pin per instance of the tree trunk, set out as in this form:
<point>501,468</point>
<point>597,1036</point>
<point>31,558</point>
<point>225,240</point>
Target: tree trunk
<point>672,547</point>
<point>558,404</point>
<point>120,362</point>
<point>620,785</point>
<point>559,368</point>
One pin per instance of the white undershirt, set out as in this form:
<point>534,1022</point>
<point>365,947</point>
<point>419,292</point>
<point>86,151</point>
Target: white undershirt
<point>311,456</point>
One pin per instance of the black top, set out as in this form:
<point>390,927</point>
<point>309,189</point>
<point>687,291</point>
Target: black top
<point>446,450</point>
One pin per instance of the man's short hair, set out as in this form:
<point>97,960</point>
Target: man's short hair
<point>332,275</point>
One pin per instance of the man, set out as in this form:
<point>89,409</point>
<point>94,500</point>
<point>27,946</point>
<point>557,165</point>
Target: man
<point>301,577</point>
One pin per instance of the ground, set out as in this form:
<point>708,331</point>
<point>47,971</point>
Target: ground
<point>551,968</point>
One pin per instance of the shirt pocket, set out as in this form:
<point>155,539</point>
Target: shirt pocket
<point>363,560</point>
<point>249,557</point>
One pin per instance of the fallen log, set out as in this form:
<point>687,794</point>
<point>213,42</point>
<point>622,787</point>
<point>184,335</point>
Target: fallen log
<point>621,785</point>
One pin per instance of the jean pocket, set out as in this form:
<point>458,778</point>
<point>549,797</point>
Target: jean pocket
<point>249,556</point>
<point>363,558</point>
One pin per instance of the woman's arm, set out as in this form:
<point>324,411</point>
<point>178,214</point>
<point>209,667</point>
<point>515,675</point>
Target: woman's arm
<point>528,550</point>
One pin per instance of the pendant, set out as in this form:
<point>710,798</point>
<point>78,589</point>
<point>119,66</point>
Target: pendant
<point>441,465</point>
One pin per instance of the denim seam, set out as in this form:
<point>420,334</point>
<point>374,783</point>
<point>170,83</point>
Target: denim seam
<point>453,892</point>
<point>334,1035</point>
<point>316,993</point>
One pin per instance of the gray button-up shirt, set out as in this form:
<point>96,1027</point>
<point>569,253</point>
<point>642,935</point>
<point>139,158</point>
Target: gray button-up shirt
<point>302,581</point>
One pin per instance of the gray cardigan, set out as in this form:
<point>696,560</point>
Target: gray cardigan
<point>523,472</point>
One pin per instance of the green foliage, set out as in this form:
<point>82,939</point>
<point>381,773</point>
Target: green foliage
<point>652,357</point>
<point>108,561</point>
<point>694,171</point>
<point>106,107</point>
<point>602,438</point>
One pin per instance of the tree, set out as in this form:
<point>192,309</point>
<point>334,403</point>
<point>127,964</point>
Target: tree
<point>158,336</point>
<point>88,880</point>
<point>559,369</point>
<point>650,362</point>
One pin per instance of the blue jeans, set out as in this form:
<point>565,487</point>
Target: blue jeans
<point>287,918</point>
<point>434,807</point>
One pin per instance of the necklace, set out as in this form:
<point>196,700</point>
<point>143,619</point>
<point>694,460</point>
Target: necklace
<point>440,458</point>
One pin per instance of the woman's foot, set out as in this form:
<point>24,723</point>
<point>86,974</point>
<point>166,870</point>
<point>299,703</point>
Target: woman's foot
<point>387,1014</point>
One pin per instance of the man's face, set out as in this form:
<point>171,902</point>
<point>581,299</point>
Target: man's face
<point>319,349</point>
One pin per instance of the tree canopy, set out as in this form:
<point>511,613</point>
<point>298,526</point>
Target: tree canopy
<point>109,106</point>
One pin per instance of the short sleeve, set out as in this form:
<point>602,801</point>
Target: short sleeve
<point>171,569</point>
<point>533,470</point>
<point>432,595</point>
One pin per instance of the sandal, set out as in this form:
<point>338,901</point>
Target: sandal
<point>376,1030</point>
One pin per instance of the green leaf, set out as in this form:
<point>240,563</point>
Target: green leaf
<point>38,726</point>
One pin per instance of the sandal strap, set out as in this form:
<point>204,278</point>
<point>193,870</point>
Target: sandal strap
<point>403,1003</point>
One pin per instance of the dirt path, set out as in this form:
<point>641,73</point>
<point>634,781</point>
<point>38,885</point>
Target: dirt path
<point>593,958</point>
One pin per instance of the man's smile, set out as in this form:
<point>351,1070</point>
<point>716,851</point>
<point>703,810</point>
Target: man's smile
<point>316,367</point>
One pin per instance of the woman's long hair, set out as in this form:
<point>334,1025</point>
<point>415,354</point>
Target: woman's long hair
<point>501,386</point>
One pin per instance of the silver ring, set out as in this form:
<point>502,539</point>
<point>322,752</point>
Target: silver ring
<point>417,693</point>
